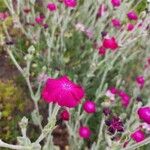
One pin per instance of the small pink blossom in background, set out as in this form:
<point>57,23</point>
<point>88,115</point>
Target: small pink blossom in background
<point>116,3</point>
<point>42,77</point>
<point>64,115</point>
<point>101,11</point>
<point>146,126</point>
<point>130,26</point>
<point>138,136</point>
<point>70,3</point>
<point>140,81</point>
<point>110,43</point>
<point>102,50</point>
<point>3,15</point>
<point>116,23</point>
<point>79,26</point>
<point>51,7</point>
<point>132,15</point>
<point>84,132</point>
<point>89,106</point>
<point>39,19</point>
<point>63,92</point>
<point>125,98</point>
<point>110,94</point>
<point>89,33</point>
<point>144,114</point>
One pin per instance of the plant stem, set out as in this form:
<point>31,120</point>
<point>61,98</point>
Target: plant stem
<point>15,147</point>
<point>100,133</point>
<point>50,125</point>
<point>15,62</point>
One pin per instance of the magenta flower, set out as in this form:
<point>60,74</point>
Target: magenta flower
<point>140,81</point>
<point>89,106</point>
<point>132,15</point>
<point>130,26</point>
<point>138,136</point>
<point>125,98</point>
<point>113,90</point>
<point>101,11</point>
<point>64,115</point>
<point>116,23</point>
<point>84,132</point>
<point>116,3</point>
<point>70,3</point>
<point>144,114</point>
<point>51,7</point>
<point>3,15</point>
<point>62,91</point>
<point>102,50</point>
<point>39,19</point>
<point>110,43</point>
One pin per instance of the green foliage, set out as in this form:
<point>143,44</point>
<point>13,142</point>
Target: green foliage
<point>2,5</point>
<point>141,6</point>
<point>12,104</point>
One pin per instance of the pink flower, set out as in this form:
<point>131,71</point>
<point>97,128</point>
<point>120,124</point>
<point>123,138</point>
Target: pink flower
<point>138,136</point>
<point>85,132</point>
<point>51,7</point>
<point>39,19</point>
<point>3,15</point>
<point>79,26</point>
<point>132,15</point>
<point>70,3</point>
<point>89,33</point>
<point>111,93</point>
<point>144,114</point>
<point>101,11</point>
<point>140,81</point>
<point>116,23</point>
<point>116,3</point>
<point>89,106</point>
<point>125,98</point>
<point>62,91</point>
<point>130,26</point>
<point>64,115</point>
<point>110,43</point>
<point>102,50</point>
<point>42,77</point>
<point>146,127</point>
